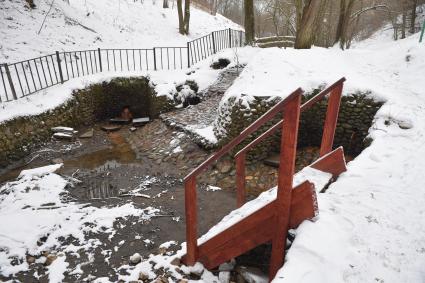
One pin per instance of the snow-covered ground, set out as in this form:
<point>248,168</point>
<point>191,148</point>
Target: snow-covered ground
<point>89,24</point>
<point>371,225</point>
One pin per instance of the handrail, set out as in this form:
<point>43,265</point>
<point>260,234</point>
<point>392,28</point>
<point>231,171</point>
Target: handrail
<point>190,180</point>
<point>242,136</point>
<point>307,105</point>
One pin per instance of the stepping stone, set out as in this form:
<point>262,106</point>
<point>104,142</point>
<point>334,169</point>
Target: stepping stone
<point>66,130</point>
<point>140,121</point>
<point>88,134</point>
<point>133,129</point>
<point>63,136</point>
<point>111,128</point>
<point>119,121</point>
<point>273,160</point>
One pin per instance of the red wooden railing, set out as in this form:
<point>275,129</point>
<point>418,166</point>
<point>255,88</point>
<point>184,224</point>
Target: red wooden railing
<point>291,108</point>
<point>335,92</point>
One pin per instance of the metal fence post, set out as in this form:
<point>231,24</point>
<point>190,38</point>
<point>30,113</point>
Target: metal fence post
<point>9,78</point>
<point>188,54</point>
<point>100,59</point>
<point>213,42</point>
<point>59,66</point>
<point>154,59</point>
<point>230,38</point>
<point>240,39</point>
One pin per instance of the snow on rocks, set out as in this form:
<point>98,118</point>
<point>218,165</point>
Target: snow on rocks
<point>34,207</point>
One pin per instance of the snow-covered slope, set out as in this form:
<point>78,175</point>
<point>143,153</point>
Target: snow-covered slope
<point>84,24</point>
<point>371,224</point>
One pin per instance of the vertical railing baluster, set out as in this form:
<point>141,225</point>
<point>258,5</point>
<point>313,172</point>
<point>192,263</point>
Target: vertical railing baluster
<point>213,42</point>
<point>154,59</point>
<point>66,65</point>
<point>331,119</point>
<point>25,76</point>
<point>191,221</point>
<point>240,180</point>
<point>54,68</point>
<point>32,76</point>
<point>38,73</point>
<point>9,78</point>
<point>100,60</point>
<point>59,66</point>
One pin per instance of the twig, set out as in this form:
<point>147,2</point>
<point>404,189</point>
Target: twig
<point>51,5</point>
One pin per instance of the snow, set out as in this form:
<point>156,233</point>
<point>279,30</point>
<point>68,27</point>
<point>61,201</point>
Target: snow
<point>34,207</point>
<point>91,24</point>
<point>206,133</point>
<point>57,270</point>
<point>317,177</point>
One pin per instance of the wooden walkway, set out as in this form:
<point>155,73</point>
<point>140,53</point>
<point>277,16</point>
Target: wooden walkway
<point>292,205</point>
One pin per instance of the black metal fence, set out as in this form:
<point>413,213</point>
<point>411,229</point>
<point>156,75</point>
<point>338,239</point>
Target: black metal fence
<point>30,76</point>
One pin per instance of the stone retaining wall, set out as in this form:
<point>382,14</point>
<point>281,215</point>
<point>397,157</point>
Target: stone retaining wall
<point>97,102</point>
<point>356,116</point>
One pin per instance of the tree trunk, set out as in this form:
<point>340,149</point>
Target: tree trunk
<point>165,4</point>
<point>181,19</point>
<point>403,25</point>
<point>186,15</point>
<point>305,34</point>
<point>249,21</point>
<point>341,20</point>
<point>413,16</point>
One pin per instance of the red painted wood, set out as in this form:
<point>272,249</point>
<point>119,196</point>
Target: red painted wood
<point>240,180</point>
<point>334,102</point>
<point>307,105</point>
<point>333,162</point>
<point>303,204</point>
<point>291,116</point>
<point>244,134</point>
<point>191,221</point>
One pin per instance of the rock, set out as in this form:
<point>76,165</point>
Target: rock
<point>133,129</point>
<point>119,121</point>
<point>87,135</point>
<point>49,259</point>
<point>183,281</point>
<point>65,130</point>
<point>224,276</point>
<point>63,136</point>
<point>30,259</point>
<point>135,258</point>
<point>143,276</point>
<point>224,167</point>
<point>252,275</point>
<point>57,160</point>
<point>405,125</point>
<point>176,261</point>
<point>161,279</point>
<point>227,266</point>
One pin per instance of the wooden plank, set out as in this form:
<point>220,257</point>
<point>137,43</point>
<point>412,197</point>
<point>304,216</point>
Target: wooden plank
<point>191,221</point>
<point>255,220</point>
<point>291,116</point>
<point>334,102</point>
<point>303,204</point>
<point>333,162</point>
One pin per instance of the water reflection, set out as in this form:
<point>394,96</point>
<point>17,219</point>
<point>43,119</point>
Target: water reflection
<point>101,189</point>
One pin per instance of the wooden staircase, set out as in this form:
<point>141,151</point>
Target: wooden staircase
<point>291,204</point>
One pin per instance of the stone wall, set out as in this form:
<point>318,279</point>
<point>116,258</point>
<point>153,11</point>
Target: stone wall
<point>97,102</point>
<point>356,116</point>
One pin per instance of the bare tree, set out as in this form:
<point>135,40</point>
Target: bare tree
<point>249,21</point>
<point>184,18</point>
<point>307,11</point>
<point>165,4</point>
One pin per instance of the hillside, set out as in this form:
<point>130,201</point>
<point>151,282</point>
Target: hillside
<point>84,24</point>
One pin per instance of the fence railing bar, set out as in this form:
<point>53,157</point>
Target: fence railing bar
<point>4,83</point>
<point>121,59</point>
<point>25,76</point>
<point>32,75</point>
<point>76,64</point>
<point>54,68</point>
<point>50,73</point>
<point>128,63</point>
<point>38,73</point>
<point>19,80</point>
<point>66,65</point>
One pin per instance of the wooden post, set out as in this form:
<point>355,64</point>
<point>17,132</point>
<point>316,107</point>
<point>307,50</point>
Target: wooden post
<point>213,42</point>
<point>288,152</point>
<point>230,38</point>
<point>240,179</point>
<point>59,66</point>
<point>154,59</point>
<point>9,78</point>
<point>191,221</point>
<point>329,127</point>
<point>100,59</point>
